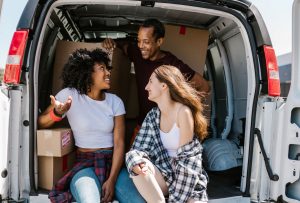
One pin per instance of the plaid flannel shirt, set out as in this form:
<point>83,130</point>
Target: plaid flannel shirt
<point>100,160</point>
<point>186,179</point>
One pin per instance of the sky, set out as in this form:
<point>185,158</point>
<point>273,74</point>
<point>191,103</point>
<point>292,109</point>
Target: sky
<point>10,15</point>
<point>277,15</point>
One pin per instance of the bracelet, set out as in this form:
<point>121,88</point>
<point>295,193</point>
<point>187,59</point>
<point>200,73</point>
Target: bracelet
<point>54,117</point>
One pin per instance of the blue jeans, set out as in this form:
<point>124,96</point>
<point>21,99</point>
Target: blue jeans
<point>85,187</point>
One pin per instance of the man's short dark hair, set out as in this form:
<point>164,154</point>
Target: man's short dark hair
<point>158,27</point>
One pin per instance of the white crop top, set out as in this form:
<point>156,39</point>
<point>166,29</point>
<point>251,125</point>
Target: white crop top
<point>92,121</point>
<point>170,140</point>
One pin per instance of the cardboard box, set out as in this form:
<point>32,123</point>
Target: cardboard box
<point>188,44</point>
<point>121,79</point>
<point>55,142</point>
<point>63,51</point>
<point>51,169</point>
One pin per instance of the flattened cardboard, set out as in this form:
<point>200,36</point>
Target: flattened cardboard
<point>121,84</point>
<point>63,51</point>
<point>188,44</point>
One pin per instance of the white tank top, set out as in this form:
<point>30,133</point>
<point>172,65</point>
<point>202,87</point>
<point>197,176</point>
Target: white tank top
<point>170,140</point>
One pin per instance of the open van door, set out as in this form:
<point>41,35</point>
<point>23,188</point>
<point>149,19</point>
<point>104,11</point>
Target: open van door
<point>276,164</point>
<point>290,168</point>
<point>4,118</point>
<point>4,114</point>
<point>14,120</point>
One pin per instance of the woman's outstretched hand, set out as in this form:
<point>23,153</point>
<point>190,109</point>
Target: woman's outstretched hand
<point>61,107</point>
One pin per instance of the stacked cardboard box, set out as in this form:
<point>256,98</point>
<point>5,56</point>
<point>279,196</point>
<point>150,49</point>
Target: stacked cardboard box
<point>55,148</point>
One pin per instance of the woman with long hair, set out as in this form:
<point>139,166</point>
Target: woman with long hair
<point>165,159</point>
<point>97,119</point>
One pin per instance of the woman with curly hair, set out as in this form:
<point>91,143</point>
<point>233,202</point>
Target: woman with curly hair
<point>97,121</point>
<point>165,159</point>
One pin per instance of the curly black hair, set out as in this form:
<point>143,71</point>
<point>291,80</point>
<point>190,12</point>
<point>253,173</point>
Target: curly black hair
<point>77,72</point>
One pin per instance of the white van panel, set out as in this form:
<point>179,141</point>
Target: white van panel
<point>295,83</point>
<point>279,123</point>
<point>12,133</point>
<point>287,131</point>
<point>285,135</point>
<point>4,118</point>
<point>24,170</point>
<point>265,122</point>
<point>14,142</point>
<point>231,200</point>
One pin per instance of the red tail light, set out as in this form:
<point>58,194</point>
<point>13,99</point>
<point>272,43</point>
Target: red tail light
<point>272,71</point>
<point>15,57</point>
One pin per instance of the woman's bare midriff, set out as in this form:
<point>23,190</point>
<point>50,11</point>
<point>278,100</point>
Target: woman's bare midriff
<point>93,150</point>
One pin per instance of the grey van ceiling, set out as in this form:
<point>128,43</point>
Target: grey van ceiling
<point>93,20</point>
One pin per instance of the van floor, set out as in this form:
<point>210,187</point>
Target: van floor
<point>225,183</point>
<point>39,198</point>
<point>221,185</point>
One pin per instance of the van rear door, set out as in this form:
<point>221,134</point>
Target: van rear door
<point>288,161</point>
<point>4,118</point>
<point>279,128</point>
<point>13,117</point>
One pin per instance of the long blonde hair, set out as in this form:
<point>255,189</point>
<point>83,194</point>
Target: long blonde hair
<point>181,91</point>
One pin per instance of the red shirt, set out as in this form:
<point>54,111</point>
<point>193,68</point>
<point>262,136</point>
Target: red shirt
<point>144,69</point>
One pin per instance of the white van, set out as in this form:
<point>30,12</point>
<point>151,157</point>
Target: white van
<point>253,150</point>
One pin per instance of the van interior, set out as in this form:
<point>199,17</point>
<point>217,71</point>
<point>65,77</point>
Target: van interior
<point>211,42</point>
